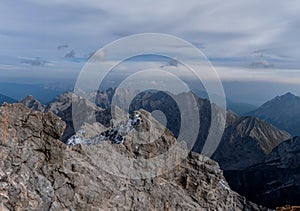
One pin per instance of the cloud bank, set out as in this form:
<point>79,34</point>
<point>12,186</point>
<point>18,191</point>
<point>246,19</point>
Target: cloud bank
<point>232,34</point>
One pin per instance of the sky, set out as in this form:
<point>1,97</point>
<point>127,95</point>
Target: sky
<point>244,40</point>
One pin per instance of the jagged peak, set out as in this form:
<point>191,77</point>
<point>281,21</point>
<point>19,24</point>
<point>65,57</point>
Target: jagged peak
<point>33,103</point>
<point>68,98</point>
<point>29,98</point>
<point>265,133</point>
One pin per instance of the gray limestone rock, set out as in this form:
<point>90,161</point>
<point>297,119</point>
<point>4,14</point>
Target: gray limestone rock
<point>38,172</point>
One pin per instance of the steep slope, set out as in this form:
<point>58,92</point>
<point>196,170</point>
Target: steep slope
<point>6,99</point>
<point>246,142</point>
<point>33,103</point>
<point>38,172</point>
<point>275,181</point>
<point>282,111</point>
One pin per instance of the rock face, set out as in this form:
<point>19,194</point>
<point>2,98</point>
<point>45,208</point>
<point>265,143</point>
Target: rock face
<point>276,179</point>
<point>246,142</point>
<point>62,107</point>
<point>282,111</point>
<point>38,172</point>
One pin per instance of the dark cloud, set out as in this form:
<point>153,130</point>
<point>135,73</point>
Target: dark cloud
<point>60,47</point>
<point>261,63</point>
<point>71,54</point>
<point>35,62</point>
<point>171,63</point>
<point>261,60</point>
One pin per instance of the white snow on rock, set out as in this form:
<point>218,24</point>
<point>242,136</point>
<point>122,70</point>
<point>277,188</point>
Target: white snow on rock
<point>116,135</point>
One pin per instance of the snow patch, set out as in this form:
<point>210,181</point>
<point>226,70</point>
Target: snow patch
<point>116,135</point>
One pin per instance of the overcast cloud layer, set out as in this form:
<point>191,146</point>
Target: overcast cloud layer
<point>245,40</point>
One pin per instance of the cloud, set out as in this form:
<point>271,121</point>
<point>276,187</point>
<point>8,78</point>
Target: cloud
<point>261,63</point>
<point>35,61</point>
<point>227,32</point>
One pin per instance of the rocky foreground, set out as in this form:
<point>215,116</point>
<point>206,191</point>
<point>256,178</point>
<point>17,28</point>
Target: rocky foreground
<point>38,172</point>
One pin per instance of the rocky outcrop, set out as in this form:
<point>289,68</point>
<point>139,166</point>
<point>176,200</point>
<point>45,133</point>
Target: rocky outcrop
<point>275,181</point>
<point>38,172</point>
<point>246,142</point>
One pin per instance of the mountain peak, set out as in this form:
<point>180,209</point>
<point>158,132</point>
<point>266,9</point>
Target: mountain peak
<point>282,111</point>
<point>247,141</point>
<point>288,95</point>
<point>266,134</point>
<point>33,103</point>
<point>285,98</point>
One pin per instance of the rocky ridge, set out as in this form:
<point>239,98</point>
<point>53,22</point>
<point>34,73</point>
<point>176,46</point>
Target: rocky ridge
<point>246,140</point>
<point>38,172</point>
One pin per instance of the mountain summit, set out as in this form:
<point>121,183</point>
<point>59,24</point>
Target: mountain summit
<point>282,111</point>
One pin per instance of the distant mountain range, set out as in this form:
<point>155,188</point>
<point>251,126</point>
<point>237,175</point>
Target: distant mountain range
<point>44,93</point>
<point>4,98</point>
<point>282,111</point>
<point>240,108</point>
